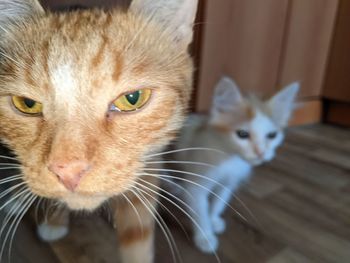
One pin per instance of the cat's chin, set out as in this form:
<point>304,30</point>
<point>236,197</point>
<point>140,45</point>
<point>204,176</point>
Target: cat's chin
<point>78,202</point>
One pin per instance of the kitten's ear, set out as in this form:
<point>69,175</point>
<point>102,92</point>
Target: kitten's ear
<point>12,11</point>
<point>176,15</point>
<point>282,104</point>
<point>226,95</point>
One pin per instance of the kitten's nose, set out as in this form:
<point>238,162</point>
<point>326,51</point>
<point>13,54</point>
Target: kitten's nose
<point>259,152</point>
<point>70,173</point>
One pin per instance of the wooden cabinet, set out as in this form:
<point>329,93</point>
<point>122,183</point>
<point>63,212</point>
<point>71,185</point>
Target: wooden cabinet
<point>337,87</point>
<point>265,45</point>
<point>338,76</point>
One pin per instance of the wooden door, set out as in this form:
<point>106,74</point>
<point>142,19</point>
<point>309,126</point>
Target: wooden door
<point>265,45</point>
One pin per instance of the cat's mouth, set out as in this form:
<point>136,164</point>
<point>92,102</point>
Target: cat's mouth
<point>77,201</point>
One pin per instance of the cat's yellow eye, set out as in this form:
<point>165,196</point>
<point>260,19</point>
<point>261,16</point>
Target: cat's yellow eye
<point>27,106</point>
<point>132,101</point>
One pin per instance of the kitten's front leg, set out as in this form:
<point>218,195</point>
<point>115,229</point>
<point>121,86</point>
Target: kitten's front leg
<point>218,205</point>
<point>204,237</point>
<point>224,190</point>
<point>135,227</point>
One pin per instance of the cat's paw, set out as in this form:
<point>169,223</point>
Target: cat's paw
<point>50,233</point>
<point>219,225</point>
<point>12,208</point>
<point>206,243</point>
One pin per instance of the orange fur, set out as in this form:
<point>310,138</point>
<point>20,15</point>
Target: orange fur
<point>58,134</point>
<point>76,64</point>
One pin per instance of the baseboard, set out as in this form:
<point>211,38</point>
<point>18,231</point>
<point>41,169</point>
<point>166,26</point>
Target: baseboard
<point>337,113</point>
<point>308,112</point>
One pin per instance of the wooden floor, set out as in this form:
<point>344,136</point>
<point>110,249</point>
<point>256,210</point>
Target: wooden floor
<point>297,209</point>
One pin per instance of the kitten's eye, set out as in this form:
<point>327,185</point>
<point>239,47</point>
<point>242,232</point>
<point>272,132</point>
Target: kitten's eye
<point>27,106</point>
<point>242,134</point>
<point>132,101</point>
<point>271,135</point>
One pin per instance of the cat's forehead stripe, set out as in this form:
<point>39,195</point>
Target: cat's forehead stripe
<point>63,81</point>
<point>118,68</point>
<point>97,59</point>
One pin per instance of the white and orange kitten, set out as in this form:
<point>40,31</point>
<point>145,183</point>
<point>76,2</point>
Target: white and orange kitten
<point>248,130</point>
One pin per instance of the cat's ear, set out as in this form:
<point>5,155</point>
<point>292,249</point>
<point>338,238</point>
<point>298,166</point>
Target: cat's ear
<point>282,104</point>
<point>12,11</point>
<point>226,95</point>
<point>176,15</point>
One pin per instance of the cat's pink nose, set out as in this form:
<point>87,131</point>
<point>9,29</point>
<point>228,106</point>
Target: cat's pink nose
<point>70,173</point>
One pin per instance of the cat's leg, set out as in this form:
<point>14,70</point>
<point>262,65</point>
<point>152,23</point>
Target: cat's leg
<point>54,225</point>
<point>225,189</point>
<point>203,234</point>
<point>134,225</point>
<point>219,202</point>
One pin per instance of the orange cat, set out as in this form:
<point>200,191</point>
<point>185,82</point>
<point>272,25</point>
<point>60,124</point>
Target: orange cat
<point>86,97</point>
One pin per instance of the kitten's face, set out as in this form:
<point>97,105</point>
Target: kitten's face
<point>257,139</point>
<point>109,89</point>
<point>255,126</point>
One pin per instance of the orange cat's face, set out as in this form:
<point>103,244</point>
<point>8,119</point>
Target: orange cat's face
<point>86,96</point>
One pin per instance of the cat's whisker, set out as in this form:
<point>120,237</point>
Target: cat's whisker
<point>171,213</point>
<point>14,209</point>
<point>138,195</point>
<point>55,208</point>
<point>212,181</point>
<point>10,164</point>
<point>135,210</point>
<point>182,162</point>
<point>44,209</point>
<point>9,168</point>
<point>161,224</point>
<point>188,173</point>
<point>36,210</point>
<point>164,223</point>
<point>16,223</point>
<point>161,195</point>
<point>19,219</point>
<point>8,157</point>
<point>9,190</point>
<point>201,186</point>
<point>22,191</point>
<point>11,178</point>
<point>175,184</point>
<point>181,209</point>
<point>107,211</point>
<point>50,208</point>
<point>186,149</point>
<point>216,183</point>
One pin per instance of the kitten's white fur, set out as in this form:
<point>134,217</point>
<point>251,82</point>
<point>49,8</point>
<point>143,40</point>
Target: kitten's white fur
<point>209,201</point>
